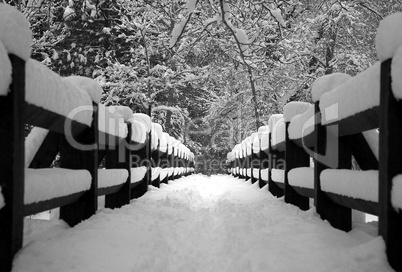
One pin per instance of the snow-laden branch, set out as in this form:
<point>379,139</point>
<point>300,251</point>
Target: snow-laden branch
<point>371,9</point>
<point>179,29</point>
<point>295,58</point>
<point>241,40</point>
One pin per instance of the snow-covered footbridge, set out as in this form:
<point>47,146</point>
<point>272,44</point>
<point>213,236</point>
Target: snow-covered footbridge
<point>200,223</point>
<point>157,216</point>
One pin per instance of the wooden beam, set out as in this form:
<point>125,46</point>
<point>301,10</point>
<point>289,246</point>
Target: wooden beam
<point>307,192</point>
<point>390,165</point>
<point>362,121</point>
<point>355,204</point>
<point>40,117</point>
<point>307,140</point>
<point>110,190</point>
<point>47,152</point>
<point>12,165</point>
<point>50,204</point>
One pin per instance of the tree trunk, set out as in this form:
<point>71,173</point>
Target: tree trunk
<point>330,52</point>
<point>255,100</point>
<point>168,123</point>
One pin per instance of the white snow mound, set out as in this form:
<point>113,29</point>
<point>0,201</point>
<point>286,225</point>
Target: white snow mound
<point>15,32</point>
<point>49,183</point>
<point>389,36</point>
<point>87,84</point>
<point>326,83</point>
<point>33,142</point>
<point>5,71</point>
<point>396,72</point>
<point>46,89</point>
<point>294,108</point>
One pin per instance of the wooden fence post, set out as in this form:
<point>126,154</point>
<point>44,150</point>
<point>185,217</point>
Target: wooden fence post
<point>73,158</point>
<point>12,165</point>
<point>263,164</point>
<point>141,155</point>
<point>155,162</point>
<point>242,166</point>
<point>172,163</point>
<point>148,159</point>
<point>237,166</point>
<point>390,165</point>
<point>274,189</point>
<point>251,165</point>
<point>338,216</point>
<point>165,164</point>
<point>263,161</point>
<point>295,156</point>
<point>120,158</point>
<point>247,166</point>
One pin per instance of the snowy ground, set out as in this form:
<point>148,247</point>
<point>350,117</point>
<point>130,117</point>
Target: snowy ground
<point>201,223</point>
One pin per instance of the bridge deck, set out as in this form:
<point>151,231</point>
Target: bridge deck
<point>201,223</point>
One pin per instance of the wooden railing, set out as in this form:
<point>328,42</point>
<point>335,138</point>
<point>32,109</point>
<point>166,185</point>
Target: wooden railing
<point>344,151</point>
<point>82,134</point>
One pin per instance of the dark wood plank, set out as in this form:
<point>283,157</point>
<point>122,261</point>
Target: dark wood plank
<point>40,117</point>
<point>280,146</point>
<point>280,185</point>
<point>390,165</point>
<point>133,186</point>
<point>362,121</point>
<point>12,165</point>
<point>355,203</point>
<point>110,190</point>
<point>107,140</point>
<point>307,192</point>
<point>308,140</point>
<point>54,203</point>
<point>47,151</point>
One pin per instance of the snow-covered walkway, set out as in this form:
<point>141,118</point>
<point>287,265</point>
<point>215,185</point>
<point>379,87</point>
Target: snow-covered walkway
<point>200,223</point>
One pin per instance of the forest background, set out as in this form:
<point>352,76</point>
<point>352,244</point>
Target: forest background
<point>209,71</point>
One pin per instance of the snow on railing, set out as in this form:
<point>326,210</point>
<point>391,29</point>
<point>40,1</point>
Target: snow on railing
<point>354,118</point>
<point>74,129</point>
